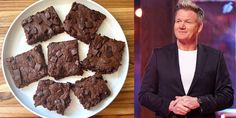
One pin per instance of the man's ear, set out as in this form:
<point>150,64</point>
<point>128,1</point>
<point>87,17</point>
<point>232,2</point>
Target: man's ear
<point>200,27</point>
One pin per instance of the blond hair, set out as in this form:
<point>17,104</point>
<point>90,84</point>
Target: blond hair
<point>189,5</point>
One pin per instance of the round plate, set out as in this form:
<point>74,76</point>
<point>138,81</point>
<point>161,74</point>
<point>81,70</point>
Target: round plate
<point>15,43</point>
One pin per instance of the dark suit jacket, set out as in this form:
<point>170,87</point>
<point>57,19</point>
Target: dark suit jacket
<point>162,82</point>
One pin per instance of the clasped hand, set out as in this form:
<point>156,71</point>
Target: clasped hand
<point>183,104</point>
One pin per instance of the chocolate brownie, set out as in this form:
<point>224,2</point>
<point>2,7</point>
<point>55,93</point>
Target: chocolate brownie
<point>82,23</point>
<point>91,90</point>
<point>27,67</point>
<point>42,26</point>
<point>52,95</point>
<point>104,55</point>
<point>63,59</point>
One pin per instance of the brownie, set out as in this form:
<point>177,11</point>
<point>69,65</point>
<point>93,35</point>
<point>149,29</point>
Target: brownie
<point>91,90</point>
<point>42,26</point>
<point>104,56</point>
<point>63,59</point>
<point>82,23</point>
<point>53,95</point>
<point>27,67</point>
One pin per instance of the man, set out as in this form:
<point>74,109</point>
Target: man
<point>186,79</point>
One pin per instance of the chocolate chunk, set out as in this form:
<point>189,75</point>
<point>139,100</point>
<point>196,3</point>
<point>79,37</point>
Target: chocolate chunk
<point>30,61</point>
<point>105,61</point>
<point>95,17</point>
<point>29,19</point>
<point>33,30</point>
<point>24,72</point>
<point>99,45</point>
<point>37,67</point>
<point>82,19</point>
<point>57,101</point>
<point>39,20</point>
<point>55,22</point>
<point>53,59</point>
<point>40,94</point>
<point>49,23</point>
<point>77,62</point>
<point>92,36</point>
<point>108,52</point>
<point>27,29</point>
<point>69,58</point>
<point>86,92</point>
<point>59,53</point>
<point>73,52</point>
<point>68,18</point>
<point>59,91</point>
<point>32,64</point>
<point>50,32</point>
<point>81,26</point>
<point>24,22</point>
<point>98,54</point>
<point>93,80</point>
<point>57,28</point>
<point>47,15</point>
<point>46,92</point>
<point>106,93</point>
<point>88,24</point>
<point>17,74</point>
<point>94,52</point>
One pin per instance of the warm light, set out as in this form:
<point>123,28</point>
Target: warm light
<point>138,12</point>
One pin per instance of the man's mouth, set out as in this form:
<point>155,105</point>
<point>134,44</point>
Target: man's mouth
<point>182,32</point>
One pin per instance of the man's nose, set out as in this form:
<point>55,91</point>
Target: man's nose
<point>182,25</point>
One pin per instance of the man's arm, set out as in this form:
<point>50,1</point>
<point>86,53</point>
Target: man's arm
<point>148,95</point>
<point>224,94</point>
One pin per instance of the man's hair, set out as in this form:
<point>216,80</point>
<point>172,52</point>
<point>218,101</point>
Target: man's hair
<point>189,5</point>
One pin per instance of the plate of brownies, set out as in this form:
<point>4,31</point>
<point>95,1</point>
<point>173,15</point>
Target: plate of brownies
<point>65,59</point>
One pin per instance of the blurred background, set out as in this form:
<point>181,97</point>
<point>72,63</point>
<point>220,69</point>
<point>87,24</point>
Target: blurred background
<point>154,21</point>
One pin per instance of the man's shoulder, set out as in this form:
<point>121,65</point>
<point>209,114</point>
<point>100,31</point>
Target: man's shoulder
<point>168,47</point>
<point>209,49</point>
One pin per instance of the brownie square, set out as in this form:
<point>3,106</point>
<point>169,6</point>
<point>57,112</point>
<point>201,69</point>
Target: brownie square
<point>42,26</point>
<point>104,55</point>
<point>63,59</point>
<point>91,90</point>
<point>27,67</point>
<point>53,95</point>
<point>82,23</point>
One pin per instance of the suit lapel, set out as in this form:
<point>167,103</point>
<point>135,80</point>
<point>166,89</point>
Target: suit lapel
<point>201,60</point>
<point>177,68</point>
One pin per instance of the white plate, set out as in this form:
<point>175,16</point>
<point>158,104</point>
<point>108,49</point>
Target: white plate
<point>15,43</point>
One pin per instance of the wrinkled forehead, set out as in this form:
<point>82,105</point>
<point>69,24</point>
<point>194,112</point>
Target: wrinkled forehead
<point>185,14</point>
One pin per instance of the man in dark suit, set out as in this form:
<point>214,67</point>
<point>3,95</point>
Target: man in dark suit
<point>186,79</point>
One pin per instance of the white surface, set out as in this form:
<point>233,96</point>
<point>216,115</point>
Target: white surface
<point>187,64</point>
<point>229,110</point>
<point>15,43</point>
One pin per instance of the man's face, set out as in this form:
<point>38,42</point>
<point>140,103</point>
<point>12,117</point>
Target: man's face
<point>186,26</point>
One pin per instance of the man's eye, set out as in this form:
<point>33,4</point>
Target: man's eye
<point>178,21</point>
<point>188,22</point>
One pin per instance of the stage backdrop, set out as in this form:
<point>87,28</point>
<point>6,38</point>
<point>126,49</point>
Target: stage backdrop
<point>156,30</point>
